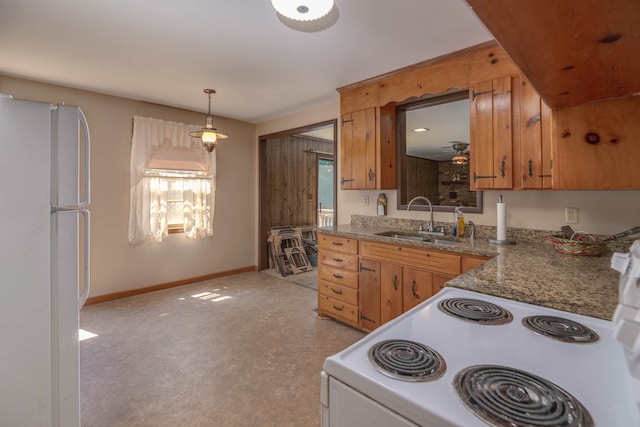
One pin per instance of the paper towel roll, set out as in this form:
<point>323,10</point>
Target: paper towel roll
<point>502,222</point>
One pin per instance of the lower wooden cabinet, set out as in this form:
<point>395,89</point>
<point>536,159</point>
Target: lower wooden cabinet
<point>338,278</point>
<point>390,291</point>
<point>416,287</point>
<point>439,280</point>
<point>369,294</point>
<point>365,284</point>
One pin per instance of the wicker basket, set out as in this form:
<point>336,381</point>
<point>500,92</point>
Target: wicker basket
<point>584,245</point>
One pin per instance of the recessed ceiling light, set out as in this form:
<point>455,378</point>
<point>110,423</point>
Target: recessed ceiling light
<point>421,129</point>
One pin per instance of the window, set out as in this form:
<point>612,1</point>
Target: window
<point>172,182</point>
<point>175,201</point>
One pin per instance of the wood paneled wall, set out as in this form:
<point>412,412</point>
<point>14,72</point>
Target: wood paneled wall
<point>291,180</point>
<point>422,174</point>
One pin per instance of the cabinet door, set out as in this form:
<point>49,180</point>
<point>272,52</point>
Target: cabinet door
<point>416,287</point>
<point>535,139</point>
<point>469,262</point>
<point>390,291</point>
<point>438,282</point>
<point>358,150</point>
<point>491,118</point>
<point>369,294</point>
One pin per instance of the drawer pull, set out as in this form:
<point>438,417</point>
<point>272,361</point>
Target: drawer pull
<point>413,289</point>
<point>338,259</point>
<point>336,243</point>
<point>337,291</point>
<point>366,269</point>
<point>338,308</point>
<point>337,276</point>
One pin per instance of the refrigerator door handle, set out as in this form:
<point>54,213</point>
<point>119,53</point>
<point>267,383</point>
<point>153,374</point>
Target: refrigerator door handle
<point>87,160</point>
<point>87,285</point>
<point>82,299</point>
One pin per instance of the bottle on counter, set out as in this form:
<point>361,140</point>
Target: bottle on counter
<point>382,204</point>
<point>458,227</point>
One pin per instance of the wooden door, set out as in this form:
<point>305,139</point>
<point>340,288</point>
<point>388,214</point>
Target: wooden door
<point>390,291</point>
<point>535,139</point>
<point>369,294</point>
<point>416,287</point>
<point>358,150</point>
<point>491,119</point>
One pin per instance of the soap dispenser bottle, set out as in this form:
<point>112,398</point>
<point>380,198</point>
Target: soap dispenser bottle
<point>382,205</point>
<point>459,225</point>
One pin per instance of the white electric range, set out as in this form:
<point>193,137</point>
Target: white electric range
<point>491,369</point>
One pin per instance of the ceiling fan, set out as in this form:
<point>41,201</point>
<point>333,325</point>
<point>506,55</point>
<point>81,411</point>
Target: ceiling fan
<point>460,152</point>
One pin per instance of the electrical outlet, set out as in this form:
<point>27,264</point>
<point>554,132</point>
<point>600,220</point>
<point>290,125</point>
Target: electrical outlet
<point>571,215</point>
<point>365,201</point>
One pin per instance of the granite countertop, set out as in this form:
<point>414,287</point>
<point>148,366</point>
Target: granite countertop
<point>531,272</point>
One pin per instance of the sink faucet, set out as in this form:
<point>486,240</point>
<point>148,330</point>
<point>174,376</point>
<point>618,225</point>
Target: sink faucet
<point>430,227</point>
<point>472,227</point>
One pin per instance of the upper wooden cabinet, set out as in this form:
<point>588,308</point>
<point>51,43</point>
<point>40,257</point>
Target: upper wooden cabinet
<point>510,136</point>
<point>572,51</point>
<point>596,145</point>
<point>492,134</point>
<point>517,140</point>
<point>367,149</point>
<point>533,170</point>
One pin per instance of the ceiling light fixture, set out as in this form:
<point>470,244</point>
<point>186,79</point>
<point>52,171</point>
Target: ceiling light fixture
<point>461,157</point>
<point>420,129</point>
<point>208,134</point>
<point>303,10</point>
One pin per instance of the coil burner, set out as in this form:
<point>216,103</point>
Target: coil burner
<point>505,396</point>
<point>560,329</point>
<point>407,360</point>
<point>475,310</point>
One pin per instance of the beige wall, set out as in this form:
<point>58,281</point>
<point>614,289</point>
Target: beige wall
<point>115,264</point>
<point>605,212</point>
<point>118,266</point>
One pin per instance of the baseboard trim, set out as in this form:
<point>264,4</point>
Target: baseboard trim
<point>132,292</point>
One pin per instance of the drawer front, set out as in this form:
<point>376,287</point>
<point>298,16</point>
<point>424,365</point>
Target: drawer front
<point>340,293</point>
<point>338,276</point>
<point>339,260</point>
<point>339,244</point>
<point>339,309</point>
<point>440,262</point>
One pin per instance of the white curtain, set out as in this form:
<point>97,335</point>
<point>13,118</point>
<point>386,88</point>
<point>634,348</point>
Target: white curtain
<point>158,148</point>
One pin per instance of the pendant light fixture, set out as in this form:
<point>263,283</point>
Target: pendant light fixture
<point>303,10</point>
<point>208,134</point>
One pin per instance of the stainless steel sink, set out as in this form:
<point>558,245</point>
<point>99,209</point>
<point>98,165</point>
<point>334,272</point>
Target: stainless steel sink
<point>405,236</point>
<point>443,241</point>
<point>416,237</point>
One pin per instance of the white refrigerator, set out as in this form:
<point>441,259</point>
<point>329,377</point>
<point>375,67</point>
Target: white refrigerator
<point>44,260</point>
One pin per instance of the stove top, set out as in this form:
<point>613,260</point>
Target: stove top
<point>560,329</point>
<point>511,397</point>
<point>407,360</point>
<point>475,310</point>
<point>591,378</point>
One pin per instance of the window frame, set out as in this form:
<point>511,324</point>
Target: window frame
<point>177,175</point>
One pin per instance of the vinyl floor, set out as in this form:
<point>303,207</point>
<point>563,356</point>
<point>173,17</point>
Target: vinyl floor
<point>244,350</point>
